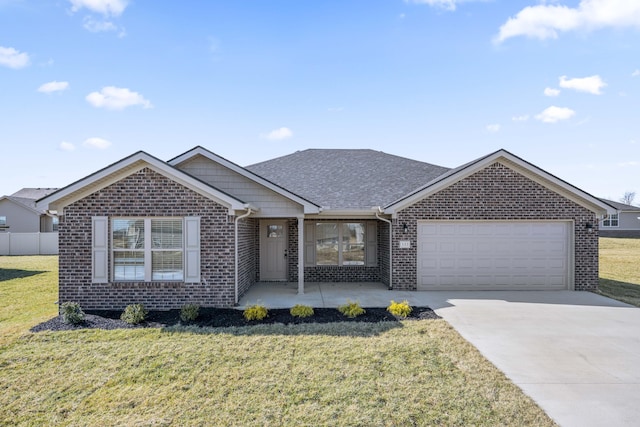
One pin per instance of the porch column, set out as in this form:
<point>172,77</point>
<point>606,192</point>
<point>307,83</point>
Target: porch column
<point>300,255</point>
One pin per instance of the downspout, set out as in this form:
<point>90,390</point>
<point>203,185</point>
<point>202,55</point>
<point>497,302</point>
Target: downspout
<point>379,211</point>
<point>236,249</point>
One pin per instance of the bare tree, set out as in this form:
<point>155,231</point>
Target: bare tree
<point>628,197</point>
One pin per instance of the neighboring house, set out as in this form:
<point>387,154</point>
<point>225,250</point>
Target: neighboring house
<point>201,229</point>
<point>624,223</point>
<point>18,212</point>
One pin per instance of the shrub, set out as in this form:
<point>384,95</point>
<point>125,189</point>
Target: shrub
<point>255,312</point>
<point>300,310</point>
<point>351,309</point>
<point>134,314</point>
<point>189,312</point>
<point>72,313</point>
<point>400,309</point>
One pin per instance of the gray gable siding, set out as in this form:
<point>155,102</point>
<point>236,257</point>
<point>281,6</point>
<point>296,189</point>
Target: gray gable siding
<point>347,179</point>
<point>269,202</point>
<point>20,218</point>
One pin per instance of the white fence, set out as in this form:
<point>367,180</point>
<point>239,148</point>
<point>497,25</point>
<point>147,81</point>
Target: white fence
<point>28,243</point>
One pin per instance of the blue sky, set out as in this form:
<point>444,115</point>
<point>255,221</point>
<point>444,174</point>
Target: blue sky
<point>84,83</point>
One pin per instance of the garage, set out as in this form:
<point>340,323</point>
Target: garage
<point>494,255</point>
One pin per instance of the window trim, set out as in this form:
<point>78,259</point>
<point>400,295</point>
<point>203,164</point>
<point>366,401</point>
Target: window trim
<point>147,250</point>
<point>608,221</point>
<point>370,243</point>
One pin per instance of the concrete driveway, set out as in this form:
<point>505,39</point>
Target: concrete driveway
<point>576,354</point>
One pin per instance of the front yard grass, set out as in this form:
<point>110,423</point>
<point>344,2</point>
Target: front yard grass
<point>28,292</point>
<point>368,374</point>
<point>620,269</point>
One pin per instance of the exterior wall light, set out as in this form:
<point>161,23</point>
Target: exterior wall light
<point>405,227</point>
<point>589,227</point>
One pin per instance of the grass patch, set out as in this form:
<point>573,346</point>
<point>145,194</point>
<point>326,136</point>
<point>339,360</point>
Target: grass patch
<point>419,373</point>
<point>387,373</point>
<point>619,272</point>
<point>28,291</point>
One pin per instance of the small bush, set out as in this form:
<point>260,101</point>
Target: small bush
<point>351,309</point>
<point>400,309</point>
<point>300,310</point>
<point>72,313</point>
<point>134,314</point>
<point>255,312</point>
<point>189,312</point>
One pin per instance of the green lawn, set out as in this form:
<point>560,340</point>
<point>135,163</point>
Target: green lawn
<point>620,269</point>
<point>410,373</point>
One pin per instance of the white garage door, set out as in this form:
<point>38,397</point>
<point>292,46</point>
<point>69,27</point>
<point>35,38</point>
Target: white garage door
<point>493,255</point>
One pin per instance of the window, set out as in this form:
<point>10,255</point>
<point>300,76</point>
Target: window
<point>54,222</point>
<point>3,221</point>
<point>611,221</point>
<point>147,249</point>
<point>340,243</point>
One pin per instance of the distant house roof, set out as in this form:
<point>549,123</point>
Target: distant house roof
<point>623,207</point>
<point>347,179</point>
<point>27,197</point>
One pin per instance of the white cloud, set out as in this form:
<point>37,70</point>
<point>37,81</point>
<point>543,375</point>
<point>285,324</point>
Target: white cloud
<point>545,21</point>
<point>67,146</point>
<point>53,86</point>
<point>444,4</point>
<point>12,58</point>
<point>94,26</point>
<point>592,84</point>
<point>554,114</point>
<point>278,134</point>
<point>629,164</point>
<point>115,98</point>
<point>636,73</point>
<point>104,7</point>
<point>98,143</point>
<point>522,118</point>
<point>549,91</point>
<point>493,128</point>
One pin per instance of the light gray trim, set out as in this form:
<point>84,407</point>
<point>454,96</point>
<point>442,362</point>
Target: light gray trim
<point>307,205</point>
<point>502,156</point>
<point>126,167</point>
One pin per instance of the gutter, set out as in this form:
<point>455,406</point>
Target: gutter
<point>249,212</point>
<point>378,212</point>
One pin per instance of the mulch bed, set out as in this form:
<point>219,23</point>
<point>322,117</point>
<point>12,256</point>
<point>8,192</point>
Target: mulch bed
<point>225,317</point>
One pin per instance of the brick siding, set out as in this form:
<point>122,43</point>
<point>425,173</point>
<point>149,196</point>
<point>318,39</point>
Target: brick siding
<point>497,192</point>
<point>148,194</point>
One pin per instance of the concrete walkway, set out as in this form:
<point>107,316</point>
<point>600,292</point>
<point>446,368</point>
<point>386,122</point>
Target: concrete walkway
<point>576,354</point>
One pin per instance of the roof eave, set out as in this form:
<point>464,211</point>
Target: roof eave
<point>535,173</point>
<point>308,206</point>
<point>125,167</point>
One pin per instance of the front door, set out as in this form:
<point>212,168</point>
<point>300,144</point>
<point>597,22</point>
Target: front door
<point>273,250</point>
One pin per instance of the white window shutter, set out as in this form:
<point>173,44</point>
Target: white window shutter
<point>192,249</point>
<point>371,250</point>
<point>309,243</point>
<point>99,249</point>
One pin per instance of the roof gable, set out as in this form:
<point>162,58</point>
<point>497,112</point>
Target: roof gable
<point>26,204</point>
<point>124,168</point>
<point>308,206</point>
<point>521,166</point>
<point>344,179</point>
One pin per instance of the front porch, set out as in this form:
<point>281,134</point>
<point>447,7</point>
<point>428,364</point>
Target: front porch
<point>321,294</point>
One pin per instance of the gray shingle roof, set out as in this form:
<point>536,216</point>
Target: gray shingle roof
<point>27,197</point>
<point>347,179</point>
<point>622,206</point>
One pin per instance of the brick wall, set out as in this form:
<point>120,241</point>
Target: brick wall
<point>247,247</point>
<point>149,194</point>
<point>496,193</point>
